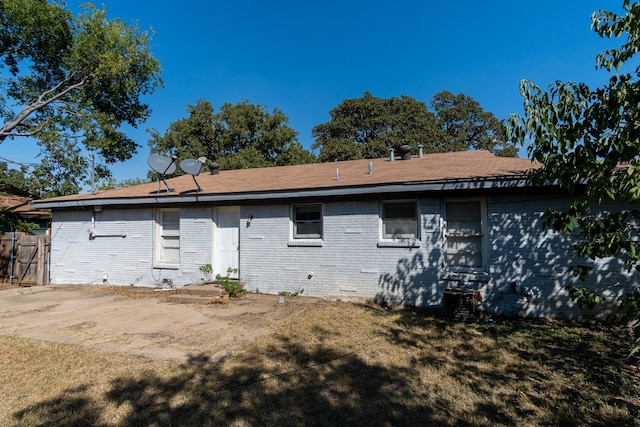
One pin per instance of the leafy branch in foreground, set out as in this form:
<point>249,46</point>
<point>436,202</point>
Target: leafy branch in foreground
<point>72,81</point>
<point>589,138</point>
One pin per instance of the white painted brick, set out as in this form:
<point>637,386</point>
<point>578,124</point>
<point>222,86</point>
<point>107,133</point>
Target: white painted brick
<point>522,256</point>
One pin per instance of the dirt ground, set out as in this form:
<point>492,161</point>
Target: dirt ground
<point>140,320</point>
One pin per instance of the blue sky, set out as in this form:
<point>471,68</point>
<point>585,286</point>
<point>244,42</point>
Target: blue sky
<point>305,57</point>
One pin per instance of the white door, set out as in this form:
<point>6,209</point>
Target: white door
<point>227,240</point>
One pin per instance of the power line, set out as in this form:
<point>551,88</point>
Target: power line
<point>17,163</point>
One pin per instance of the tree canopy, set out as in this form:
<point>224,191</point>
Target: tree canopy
<point>71,82</point>
<point>239,136</point>
<point>584,135</point>
<point>367,127</point>
<point>15,177</point>
<point>467,126</point>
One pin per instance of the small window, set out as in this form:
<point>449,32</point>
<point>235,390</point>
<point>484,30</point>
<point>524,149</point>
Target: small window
<point>399,220</point>
<point>464,234</point>
<point>307,222</point>
<point>169,236</point>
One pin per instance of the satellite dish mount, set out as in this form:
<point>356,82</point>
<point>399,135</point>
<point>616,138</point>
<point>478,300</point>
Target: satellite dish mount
<point>193,167</point>
<point>163,166</point>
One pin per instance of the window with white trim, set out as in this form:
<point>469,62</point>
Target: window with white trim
<point>168,251</point>
<point>399,220</point>
<point>307,221</point>
<point>464,234</point>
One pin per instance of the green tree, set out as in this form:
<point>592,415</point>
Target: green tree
<point>367,127</point>
<point>18,178</point>
<point>9,220</point>
<point>72,82</point>
<point>467,126</point>
<point>592,136</point>
<point>239,136</point>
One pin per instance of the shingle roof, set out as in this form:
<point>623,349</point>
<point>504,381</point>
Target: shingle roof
<point>18,201</point>
<point>458,166</point>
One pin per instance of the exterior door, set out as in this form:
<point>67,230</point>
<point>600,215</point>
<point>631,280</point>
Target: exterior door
<point>227,240</point>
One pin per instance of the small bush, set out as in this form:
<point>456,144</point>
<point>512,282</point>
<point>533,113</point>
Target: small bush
<point>206,269</point>
<point>290,294</point>
<point>233,287</point>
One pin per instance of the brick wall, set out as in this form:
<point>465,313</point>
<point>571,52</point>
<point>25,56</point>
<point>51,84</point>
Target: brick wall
<point>109,258</point>
<point>347,264</point>
<point>529,267</point>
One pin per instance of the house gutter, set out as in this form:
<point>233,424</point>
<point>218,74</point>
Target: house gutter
<point>404,188</point>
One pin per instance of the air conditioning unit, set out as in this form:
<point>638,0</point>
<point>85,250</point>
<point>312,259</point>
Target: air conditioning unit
<point>461,304</point>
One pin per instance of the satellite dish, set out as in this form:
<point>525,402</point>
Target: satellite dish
<point>191,166</point>
<point>162,165</point>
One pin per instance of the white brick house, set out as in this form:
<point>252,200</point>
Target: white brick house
<point>402,230</point>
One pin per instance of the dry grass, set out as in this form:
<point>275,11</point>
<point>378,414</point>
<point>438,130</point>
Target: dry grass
<point>339,364</point>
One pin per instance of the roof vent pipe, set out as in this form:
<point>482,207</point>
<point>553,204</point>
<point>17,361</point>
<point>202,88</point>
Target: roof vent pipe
<point>420,153</point>
<point>391,154</point>
<point>214,168</point>
<point>337,175</point>
<point>370,168</point>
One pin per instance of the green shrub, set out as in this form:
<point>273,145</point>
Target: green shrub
<point>206,269</point>
<point>233,287</point>
<point>290,294</point>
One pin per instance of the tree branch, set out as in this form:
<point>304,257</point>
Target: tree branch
<point>37,130</point>
<point>43,100</point>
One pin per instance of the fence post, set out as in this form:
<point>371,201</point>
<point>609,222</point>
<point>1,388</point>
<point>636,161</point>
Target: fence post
<point>12,257</point>
<point>41,270</point>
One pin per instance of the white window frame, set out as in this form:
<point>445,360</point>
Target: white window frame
<point>401,240</point>
<point>161,233</point>
<point>482,234</point>
<point>295,236</point>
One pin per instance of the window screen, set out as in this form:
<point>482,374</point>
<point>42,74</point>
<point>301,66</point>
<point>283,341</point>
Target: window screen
<point>169,237</point>
<point>464,234</point>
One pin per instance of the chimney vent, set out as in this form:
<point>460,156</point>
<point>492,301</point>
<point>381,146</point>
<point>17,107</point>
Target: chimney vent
<point>405,152</point>
<point>214,168</point>
<point>370,168</point>
<point>391,154</point>
<point>420,153</point>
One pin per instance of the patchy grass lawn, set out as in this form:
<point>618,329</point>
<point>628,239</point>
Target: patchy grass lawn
<point>340,364</point>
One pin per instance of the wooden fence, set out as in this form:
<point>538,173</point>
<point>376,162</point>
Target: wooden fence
<point>24,259</point>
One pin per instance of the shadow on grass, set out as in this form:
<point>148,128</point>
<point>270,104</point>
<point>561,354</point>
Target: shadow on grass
<point>294,383</point>
<point>328,389</point>
<point>73,409</point>
<point>577,372</point>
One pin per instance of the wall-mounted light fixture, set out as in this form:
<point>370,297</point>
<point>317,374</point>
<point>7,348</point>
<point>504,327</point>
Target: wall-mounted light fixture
<point>249,218</point>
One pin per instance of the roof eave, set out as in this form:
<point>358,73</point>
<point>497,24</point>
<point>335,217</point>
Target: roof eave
<point>490,183</point>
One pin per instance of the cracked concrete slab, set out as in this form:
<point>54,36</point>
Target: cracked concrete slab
<point>88,316</point>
